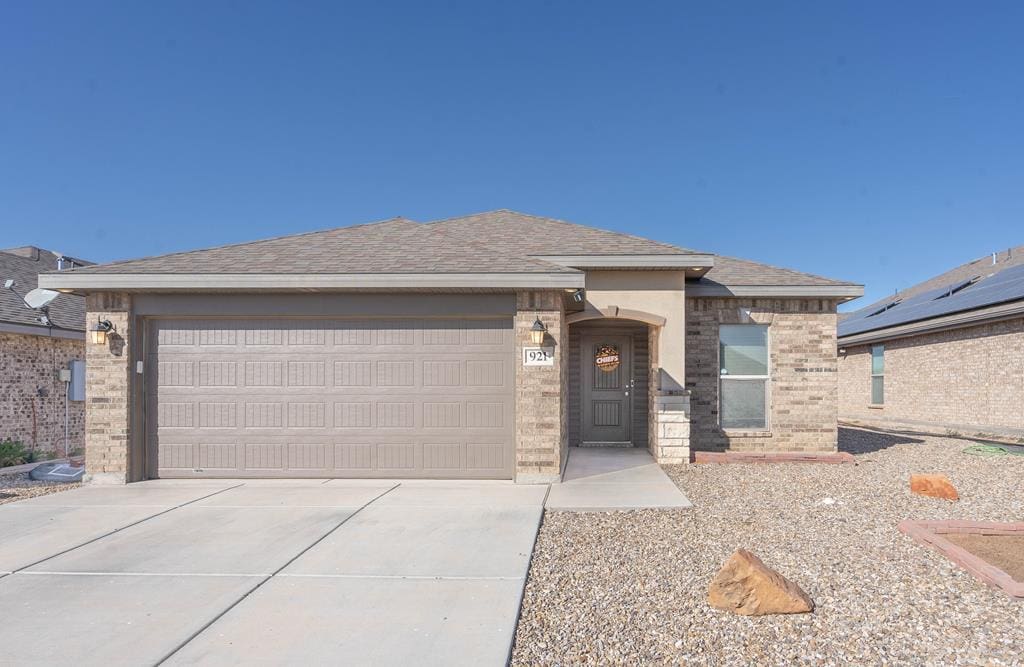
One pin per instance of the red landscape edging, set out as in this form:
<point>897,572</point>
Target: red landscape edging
<point>930,533</point>
<point>772,457</point>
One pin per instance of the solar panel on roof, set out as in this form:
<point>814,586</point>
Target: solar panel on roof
<point>1007,285</point>
<point>953,289</point>
<point>884,308</point>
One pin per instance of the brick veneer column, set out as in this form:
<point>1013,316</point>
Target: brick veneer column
<point>541,391</point>
<point>107,391</point>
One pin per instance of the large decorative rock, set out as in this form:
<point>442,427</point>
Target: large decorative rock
<point>936,486</point>
<point>747,586</point>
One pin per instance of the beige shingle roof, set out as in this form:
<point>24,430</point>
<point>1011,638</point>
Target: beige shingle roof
<point>535,235</point>
<point>391,246</point>
<point>499,241</point>
<point>735,272</point>
<point>526,234</point>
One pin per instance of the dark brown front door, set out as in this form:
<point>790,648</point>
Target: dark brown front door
<point>607,385</point>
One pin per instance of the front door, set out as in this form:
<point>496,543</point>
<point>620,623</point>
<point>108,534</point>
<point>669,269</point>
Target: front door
<point>607,384</point>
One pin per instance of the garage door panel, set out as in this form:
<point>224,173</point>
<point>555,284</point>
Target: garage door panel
<point>264,413</point>
<point>406,398</point>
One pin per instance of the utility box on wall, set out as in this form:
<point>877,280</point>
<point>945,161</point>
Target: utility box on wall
<point>76,390</point>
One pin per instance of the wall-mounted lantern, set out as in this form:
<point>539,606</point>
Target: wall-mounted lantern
<point>100,330</point>
<point>537,332</point>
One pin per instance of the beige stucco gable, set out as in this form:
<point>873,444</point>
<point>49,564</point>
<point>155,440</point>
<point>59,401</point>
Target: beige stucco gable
<point>660,294</point>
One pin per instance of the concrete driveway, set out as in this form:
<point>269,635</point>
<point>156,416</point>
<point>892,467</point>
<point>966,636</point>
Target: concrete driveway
<point>360,572</point>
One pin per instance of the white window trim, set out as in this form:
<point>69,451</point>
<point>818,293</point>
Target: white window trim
<point>733,430</point>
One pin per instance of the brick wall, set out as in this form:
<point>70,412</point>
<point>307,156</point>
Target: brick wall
<point>969,380</point>
<point>541,391</point>
<point>108,385</point>
<point>803,393</point>
<point>32,395</point>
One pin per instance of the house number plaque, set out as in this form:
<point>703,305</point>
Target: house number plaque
<point>538,356</point>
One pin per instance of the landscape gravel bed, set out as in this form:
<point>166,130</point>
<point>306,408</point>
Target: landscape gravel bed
<point>630,587</point>
<point>19,486</point>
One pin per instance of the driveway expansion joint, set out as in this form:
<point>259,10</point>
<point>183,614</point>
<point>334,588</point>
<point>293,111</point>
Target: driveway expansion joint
<point>265,579</point>
<point>120,528</point>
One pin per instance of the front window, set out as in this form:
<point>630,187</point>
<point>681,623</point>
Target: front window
<point>877,374</point>
<point>743,363</point>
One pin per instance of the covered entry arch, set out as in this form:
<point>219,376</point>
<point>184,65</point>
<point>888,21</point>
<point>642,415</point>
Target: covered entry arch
<point>612,354</point>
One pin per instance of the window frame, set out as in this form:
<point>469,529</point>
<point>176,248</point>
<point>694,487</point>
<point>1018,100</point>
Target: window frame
<point>766,379</point>
<point>879,376</point>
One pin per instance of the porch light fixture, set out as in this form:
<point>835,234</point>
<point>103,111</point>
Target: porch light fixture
<point>100,330</point>
<point>537,332</point>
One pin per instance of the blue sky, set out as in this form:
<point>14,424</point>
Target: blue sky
<point>873,141</point>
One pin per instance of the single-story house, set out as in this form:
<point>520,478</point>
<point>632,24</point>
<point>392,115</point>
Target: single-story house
<point>474,347</point>
<point>944,355</point>
<point>36,344</point>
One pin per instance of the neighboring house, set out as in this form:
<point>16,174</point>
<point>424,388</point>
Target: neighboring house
<point>32,353</point>
<point>944,355</point>
<point>400,349</point>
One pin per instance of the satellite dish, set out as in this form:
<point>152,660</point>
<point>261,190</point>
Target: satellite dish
<point>40,298</point>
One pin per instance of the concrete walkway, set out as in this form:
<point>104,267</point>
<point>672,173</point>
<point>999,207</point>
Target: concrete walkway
<point>231,572</point>
<point>600,479</point>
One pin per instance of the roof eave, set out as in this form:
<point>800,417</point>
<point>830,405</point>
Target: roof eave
<point>37,330</point>
<point>71,281</point>
<point>844,292</point>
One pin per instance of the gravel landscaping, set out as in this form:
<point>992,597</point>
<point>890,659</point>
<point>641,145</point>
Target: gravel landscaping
<point>19,486</point>
<point>630,587</point>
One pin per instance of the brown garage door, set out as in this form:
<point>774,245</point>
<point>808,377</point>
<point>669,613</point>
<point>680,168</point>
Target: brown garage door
<point>330,398</point>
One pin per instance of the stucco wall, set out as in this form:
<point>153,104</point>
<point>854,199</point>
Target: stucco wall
<point>31,394</point>
<point>969,380</point>
<point>803,391</point>
<point>657,292</point>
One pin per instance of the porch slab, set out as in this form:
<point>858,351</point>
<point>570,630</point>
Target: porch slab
<point>613,479</point>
